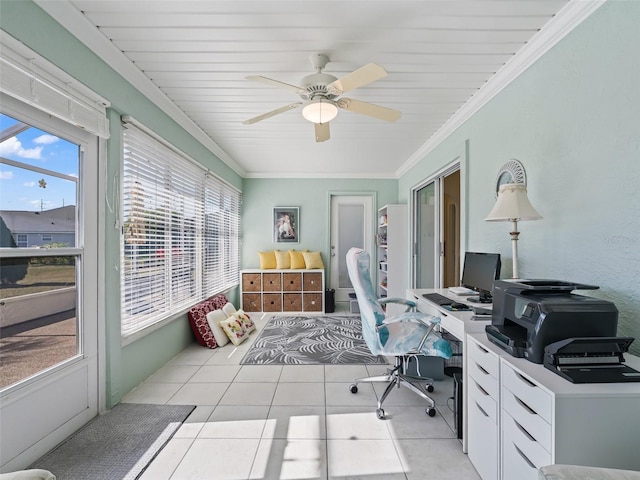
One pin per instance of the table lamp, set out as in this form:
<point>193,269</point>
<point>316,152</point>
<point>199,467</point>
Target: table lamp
<point>513,205</point>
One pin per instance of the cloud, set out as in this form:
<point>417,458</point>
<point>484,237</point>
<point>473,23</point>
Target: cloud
<point>29,184</point>
<point>6,175</point>
<point>12,146</point>
<point>46,139</point>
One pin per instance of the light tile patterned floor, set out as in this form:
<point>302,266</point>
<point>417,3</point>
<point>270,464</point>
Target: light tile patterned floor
<point>296,422</point>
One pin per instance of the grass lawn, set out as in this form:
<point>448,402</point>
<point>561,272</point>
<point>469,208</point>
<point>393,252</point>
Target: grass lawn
<point>41,278</point>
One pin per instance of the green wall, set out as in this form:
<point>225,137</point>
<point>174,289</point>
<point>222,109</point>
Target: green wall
<point>312,196</point>
<point>126,366</point>
<point>573,120</point>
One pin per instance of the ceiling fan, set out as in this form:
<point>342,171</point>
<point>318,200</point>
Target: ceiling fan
<point>320,92</point>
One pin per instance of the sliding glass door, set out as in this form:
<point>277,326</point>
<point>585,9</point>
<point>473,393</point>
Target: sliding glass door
<point>436,230</point>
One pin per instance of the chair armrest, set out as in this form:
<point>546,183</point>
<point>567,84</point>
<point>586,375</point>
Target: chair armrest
<point>401,301</point>
<point>413,317</point>
<point>424,319</point>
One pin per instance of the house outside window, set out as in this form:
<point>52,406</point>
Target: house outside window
<point>46,237</point>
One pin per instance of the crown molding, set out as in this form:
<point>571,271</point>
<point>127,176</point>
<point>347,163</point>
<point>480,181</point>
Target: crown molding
<point>77,24</point>
<point>568,18</point>
<point>353,176</point>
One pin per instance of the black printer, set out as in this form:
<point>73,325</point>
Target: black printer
<point>528,315</point>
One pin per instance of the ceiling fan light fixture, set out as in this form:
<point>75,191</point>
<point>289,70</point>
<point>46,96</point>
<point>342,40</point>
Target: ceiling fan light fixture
<point>320,110</point>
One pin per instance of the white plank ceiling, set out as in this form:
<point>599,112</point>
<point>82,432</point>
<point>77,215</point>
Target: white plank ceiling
<point>440,56</point>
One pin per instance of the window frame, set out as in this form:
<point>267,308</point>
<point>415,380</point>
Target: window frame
<point>22,240</point>
<point>86,332</point>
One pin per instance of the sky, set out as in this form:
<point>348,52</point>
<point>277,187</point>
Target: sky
<point>22,189</point>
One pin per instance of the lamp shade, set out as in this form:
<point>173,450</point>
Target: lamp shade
<point>320,110</point>
<point>512,204</point>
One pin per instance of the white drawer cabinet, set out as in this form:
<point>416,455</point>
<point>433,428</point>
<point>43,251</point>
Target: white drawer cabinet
<point>527,419</point>
<point>483,409</point>
<point>527,446</point>
<point>544,419</point>
<point>526,428</point>
<point>516,465</point>
<point>527,391</point>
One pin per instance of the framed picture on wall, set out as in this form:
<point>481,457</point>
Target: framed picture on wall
<point>286,224</point>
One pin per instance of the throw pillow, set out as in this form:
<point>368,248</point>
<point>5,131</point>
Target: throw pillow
<point>267,260</point>
<point>313,260</point>
<point>297,260</point>
<point>218,301</point>
<point>248,324</point>
<point>234,330</point>
<point>229,309</point>
<point>214,318</point>
<point>198,320</point>
<point>283,259</point>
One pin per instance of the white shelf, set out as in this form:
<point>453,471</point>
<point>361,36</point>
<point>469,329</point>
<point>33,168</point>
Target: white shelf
<point>391,242</point>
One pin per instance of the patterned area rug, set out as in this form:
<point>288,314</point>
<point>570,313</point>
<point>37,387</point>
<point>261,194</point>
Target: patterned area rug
<point>314,340</point>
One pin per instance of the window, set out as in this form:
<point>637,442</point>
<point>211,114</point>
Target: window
<point>181,229</point>
<point>38,287</point>
<point>22,240</point>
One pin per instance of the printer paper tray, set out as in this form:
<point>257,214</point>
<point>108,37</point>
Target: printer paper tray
<point>597,374</point>
<point>596,354</point>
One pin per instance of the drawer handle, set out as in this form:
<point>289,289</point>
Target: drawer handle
<point>481,348</point>
<point>482,390</point>
<point>482,369</point>
<point>481,410</point>
<point>524,457</point>
<point>524,430</point>
<point>527,407</point>
<point>525,380</point>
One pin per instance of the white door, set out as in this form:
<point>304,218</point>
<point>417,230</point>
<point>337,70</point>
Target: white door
<point>351,226</point>
<point>49,305</point>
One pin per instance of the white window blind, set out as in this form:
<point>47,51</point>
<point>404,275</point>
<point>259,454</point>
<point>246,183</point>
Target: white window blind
<point>180,232</point>
<point>222,233</point>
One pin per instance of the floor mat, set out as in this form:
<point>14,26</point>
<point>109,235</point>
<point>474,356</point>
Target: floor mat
<point>116,445</point>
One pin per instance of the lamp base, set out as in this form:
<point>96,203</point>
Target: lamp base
<point>514,247</point>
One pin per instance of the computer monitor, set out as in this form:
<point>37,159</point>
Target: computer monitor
<point>479,272</point>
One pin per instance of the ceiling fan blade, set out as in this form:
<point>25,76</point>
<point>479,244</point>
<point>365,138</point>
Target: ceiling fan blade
<point>272,113</point>
<point>365,108</point>
<point>277,83</point>
<point>322,131</point>
<point>362,76</point>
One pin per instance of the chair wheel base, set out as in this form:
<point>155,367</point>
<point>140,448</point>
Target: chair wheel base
<point>430,388</point>
<point>380,413</point>
<point>353,388</point>
<point>430,411</point>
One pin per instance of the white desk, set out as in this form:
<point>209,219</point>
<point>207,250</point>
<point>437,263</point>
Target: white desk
<point>458,324</point>
<point>585,424</point>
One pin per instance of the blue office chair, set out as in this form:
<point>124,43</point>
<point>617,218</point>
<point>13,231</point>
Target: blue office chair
<point>405,336</point>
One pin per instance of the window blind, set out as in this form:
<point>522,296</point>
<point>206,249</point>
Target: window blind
<point>180,232</point>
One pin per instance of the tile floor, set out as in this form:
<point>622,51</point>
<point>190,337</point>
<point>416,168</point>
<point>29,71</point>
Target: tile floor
<point>274,422</point>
